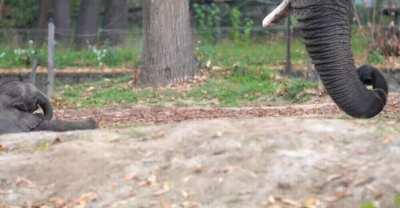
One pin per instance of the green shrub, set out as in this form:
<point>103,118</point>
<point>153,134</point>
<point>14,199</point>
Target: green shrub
<point>248,29</point>
<point>235,18</point>
<point>22,14</point>
<point>376,57</point>
<point>207,19</point>
<point>240,30</point>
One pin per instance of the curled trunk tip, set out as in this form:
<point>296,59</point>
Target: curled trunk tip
<point>44,103</point>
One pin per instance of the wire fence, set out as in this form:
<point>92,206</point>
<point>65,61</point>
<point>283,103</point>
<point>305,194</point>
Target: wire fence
<point>216,29</point>
<point>16,38</point>
<point>122,47</point>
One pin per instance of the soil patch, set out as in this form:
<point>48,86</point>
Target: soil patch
<point>263,162</point>
<point>320,107</point>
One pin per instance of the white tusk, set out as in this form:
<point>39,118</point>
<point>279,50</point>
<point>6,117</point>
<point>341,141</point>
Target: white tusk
<point>276,12</point>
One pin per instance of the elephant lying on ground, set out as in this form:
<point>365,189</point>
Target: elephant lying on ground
<point>18,103</point>
<point>326,29</point>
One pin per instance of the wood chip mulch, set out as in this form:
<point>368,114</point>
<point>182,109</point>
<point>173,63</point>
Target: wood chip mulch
<point>123,115</point>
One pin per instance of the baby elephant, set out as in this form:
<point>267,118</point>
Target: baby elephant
<point>18,103</point>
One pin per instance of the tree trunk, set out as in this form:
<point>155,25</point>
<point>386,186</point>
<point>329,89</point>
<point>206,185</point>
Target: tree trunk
<point>116,19</point>
<point>87,23</point>
<point>62,20</point>
<point>168,47</point>
<point>44,9</point>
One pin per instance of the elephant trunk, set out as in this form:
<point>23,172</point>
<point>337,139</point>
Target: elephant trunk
<point>326,29</point>
<point>45,104</point>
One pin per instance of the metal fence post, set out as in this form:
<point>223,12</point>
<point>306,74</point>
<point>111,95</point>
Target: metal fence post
<point>50,59</point>
<point>34,69</point>
<point>288,69</point>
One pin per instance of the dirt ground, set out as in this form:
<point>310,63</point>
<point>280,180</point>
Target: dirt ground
<point>318,107</point>
<point>270,157</point>
<point>267,162</point>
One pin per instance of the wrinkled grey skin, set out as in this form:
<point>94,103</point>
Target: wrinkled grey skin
<point>326,29</point>
<point>371,76</point>
<point>18,102</point>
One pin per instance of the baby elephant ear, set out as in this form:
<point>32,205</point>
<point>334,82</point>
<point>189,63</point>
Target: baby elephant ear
<point>44,103</point>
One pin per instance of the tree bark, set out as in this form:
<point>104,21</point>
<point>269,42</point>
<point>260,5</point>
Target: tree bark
<point>116,19</point>
<point>87,23</point>
<point>44,9</point>
<point>62,20</point>
<point>168,47</point>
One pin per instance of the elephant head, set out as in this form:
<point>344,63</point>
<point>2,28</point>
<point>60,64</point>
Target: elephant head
<point>18,102</point>
<point>26,98</point>
<point>326,30</point>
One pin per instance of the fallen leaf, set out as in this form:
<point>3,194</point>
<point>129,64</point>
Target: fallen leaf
<point>86,198</point>
<point>184,194</point>
<point>218,134</point>
<point>277,201</point>
<point>57,140</point>
<point>57,201</point>
<point>24,182</point>
<point>90,89</point>
<point>312,202</point>
<point>3,148</point>
<point>284,186</point>
<point>364,181</point>
<point>150,181</point>
<point>164,203</point>
<point>160,192</point>
<point>167,186</point>
<point>333,178</point>
<point>130,177</point>
<point>191,204</point>
<point>377,194</point>
<point>341,195</point>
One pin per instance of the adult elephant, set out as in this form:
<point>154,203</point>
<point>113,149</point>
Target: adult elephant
<point>326,29</point>
<point>18,103</point>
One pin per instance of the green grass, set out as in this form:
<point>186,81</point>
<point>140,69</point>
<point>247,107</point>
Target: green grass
<point>368,205</point>
<point>264,52</point>
<point>98,94</point>
<point>67,57</point>
<point>236,89</point>
<point>359,42</point>
<point>396,203</point>
<point>114,57</point>
<point>258,86</point>
<point>248,78</point>
<point>226,53</point>
<point>397,200</point>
